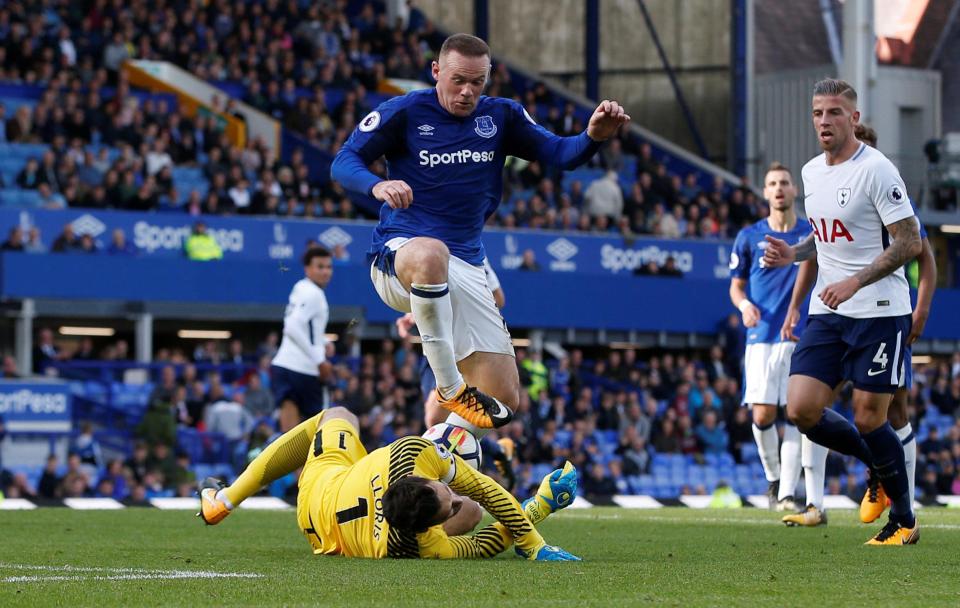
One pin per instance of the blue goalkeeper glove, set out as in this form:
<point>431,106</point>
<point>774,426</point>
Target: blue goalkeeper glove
<point>550,553</point>
<point>557,491</point>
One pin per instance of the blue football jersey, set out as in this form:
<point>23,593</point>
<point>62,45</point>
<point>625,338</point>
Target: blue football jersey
<point>768,288</point>
<point>454,165</point>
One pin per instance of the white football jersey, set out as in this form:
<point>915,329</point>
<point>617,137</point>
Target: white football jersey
<point>304,343</point>
<point>848,206</point>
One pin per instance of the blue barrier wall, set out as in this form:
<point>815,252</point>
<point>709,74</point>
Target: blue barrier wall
<point>534,299</point>
<point>251,238</point>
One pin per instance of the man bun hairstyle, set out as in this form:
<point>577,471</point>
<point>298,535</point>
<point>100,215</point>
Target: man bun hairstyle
<point>834,87</point>
<point>410,504</point>
<point>314,252</point>
<point>466,45</point>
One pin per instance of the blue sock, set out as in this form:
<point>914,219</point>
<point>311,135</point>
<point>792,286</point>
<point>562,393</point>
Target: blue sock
<point>888,463</point>
<point>835,432</point>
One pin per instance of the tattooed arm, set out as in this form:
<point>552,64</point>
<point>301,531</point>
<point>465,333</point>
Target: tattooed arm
<point>805,249</point>
<point>906,245</point>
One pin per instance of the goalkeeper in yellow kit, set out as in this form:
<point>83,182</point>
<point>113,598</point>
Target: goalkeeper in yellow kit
<point>411,498</point>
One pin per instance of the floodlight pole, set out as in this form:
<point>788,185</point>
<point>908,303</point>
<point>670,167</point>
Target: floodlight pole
<point>859,66</point>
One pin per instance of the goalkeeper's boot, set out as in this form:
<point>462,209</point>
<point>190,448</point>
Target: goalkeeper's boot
<point>212,510</point>
<point>874,500</point>
<point>503,460</point>
<point>479,409</point>
<point>811,516</point>
<point>550,553</point>
<point>895,533</point>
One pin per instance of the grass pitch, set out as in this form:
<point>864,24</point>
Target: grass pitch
<point>665,557</point>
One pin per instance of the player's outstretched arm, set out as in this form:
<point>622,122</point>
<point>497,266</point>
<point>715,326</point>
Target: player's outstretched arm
<point>806,277</point>
<point>778,253</point>
<point>557,491</point>
<point>925,289</point>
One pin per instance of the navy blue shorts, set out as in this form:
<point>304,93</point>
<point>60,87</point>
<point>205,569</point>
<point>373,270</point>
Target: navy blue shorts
<point>868,352</point>
<point>304,390</point>
<point>907,377</point>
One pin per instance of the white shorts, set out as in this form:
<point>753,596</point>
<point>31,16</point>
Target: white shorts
<point>477,323</point>
<point>766,369</point>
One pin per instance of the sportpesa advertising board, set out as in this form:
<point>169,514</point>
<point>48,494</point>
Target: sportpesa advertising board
<point>163,234</point>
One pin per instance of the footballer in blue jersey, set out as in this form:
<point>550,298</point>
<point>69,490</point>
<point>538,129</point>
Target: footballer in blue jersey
<point>445,149</point>
<point>763,296</point>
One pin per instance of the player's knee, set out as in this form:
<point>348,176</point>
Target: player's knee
<point>801,417</point>
<point>473,513</point>
<point>342,413</point>
<point>897,414</point>
<point>764,415</point>
<point>425,261</point>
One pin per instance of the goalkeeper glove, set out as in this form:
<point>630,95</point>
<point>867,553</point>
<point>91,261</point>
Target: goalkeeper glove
<point>556,491</point>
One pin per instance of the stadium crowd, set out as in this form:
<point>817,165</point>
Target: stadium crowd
<point>310,66</point>
<point>610,415</point>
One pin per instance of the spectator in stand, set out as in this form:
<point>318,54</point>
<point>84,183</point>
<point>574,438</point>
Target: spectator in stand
<point>67,242</point>
<point>45,352</point>
<point>201,246</point>
<point>712,434</point>
<point>86,447</point>
<point>604,198</point>
<point>119,245</point>
<point>529,261</point>
<point>14,240</point>
<point>258,401</point>
<point>9,372</point>
<point>34,244</point>
<point>229,418</point>
<point>138,463</point>
<point>50,199</point>
<point>49,481</point>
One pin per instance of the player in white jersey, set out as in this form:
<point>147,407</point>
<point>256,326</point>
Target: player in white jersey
<point>861,315</point>
<point>761,294</point>
<point>300,367</point>
<point>874,501</point>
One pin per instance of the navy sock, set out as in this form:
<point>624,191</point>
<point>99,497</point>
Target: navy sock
<point>889,465</point>
<point>490,447</point>
<point>835,432</point>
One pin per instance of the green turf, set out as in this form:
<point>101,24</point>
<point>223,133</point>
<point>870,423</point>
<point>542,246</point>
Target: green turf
<point>667,557</point>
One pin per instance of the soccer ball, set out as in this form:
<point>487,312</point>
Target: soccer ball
<point>457,440</point>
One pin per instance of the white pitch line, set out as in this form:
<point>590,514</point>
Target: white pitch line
<point>89,573</point>
<point>726,522</point>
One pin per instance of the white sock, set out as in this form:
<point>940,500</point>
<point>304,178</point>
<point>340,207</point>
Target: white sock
<point>222,497</point>
<point>789,461</point>
<point>909,455</point>
<point>476,431</point>
<point>768,443</point>
<point>434,312</point>
<point>814,458</point>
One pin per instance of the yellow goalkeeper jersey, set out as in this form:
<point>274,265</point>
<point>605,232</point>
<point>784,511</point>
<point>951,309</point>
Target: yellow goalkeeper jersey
<point>344,509</point>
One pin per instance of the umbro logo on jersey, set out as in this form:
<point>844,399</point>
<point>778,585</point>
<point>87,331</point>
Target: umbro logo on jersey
<point>425,130</point>
<point>843,196</point>
<point>485,126</point>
